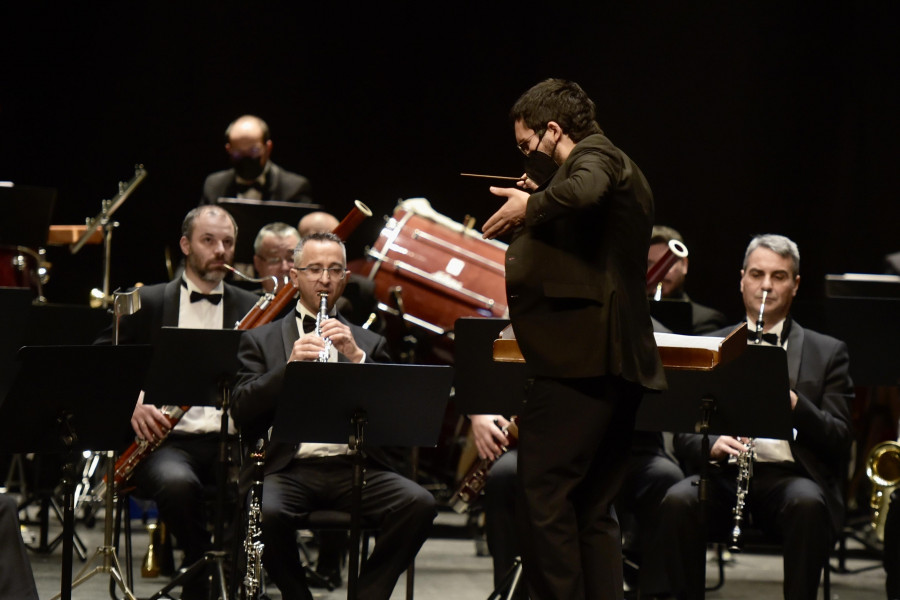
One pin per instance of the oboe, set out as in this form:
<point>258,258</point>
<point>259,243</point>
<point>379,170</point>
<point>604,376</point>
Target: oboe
<point>759,320</point>
<point>745,472</point>
<point>253,545</point>
<point>325,352</point>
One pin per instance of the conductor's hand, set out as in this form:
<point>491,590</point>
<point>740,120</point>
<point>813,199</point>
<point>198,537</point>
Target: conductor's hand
<point>527,184</point>
<point>510,215</point>
<point>308,346</point>
<point>148,422</point>
<point>727,446</point>
<point>489,434</point>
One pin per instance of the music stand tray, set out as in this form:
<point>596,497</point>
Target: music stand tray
<point>189,366</point>
<point>251,215</point>
<point>482,384</point>
<point>862,311</point>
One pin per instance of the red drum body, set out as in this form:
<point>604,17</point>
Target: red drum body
<point>433,270</point>
<point>19,267</point>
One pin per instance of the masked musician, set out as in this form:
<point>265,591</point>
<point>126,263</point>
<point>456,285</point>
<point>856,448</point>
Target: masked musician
<point>301,478</point>
<point>703,318</point>
<point>252,175</point>
<point>795,492</point>
<point>175,474</point>
<point>273,253</point>
<point>576,287</point>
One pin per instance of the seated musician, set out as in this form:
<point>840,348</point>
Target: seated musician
<point>176,473</point>
<point>795,493</point>
<point>299,479</point>
<point>273,254</point>
<point>704,319</point>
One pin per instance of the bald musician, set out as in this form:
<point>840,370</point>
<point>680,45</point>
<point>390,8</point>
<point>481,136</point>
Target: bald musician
<point>252,174</point>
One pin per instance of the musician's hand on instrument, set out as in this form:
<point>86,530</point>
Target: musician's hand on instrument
<point>794,399</point>
<point>342,339</point>
<point>726,446</point>
<point>148,422</point>
<point>489,435</point>
<point>307,348</point>
<point>509,216</point>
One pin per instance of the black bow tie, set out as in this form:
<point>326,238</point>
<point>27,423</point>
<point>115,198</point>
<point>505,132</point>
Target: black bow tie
<point>770,338</point>
<point>214,298</point>
<point>309,323</point>
<point>256,185</point>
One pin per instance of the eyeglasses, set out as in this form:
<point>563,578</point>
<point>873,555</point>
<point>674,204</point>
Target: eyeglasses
<point>276,260</point>
<point>524,146</point>
<point>315,271</point>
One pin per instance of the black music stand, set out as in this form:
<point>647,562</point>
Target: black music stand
<point>862,311</point>
<point>253,215</point>
<point>417,392</point>
<point>85,404</point>
<point>482,385</point>
<point>677,315</point>
<point>196,367</point>
<point>14,303</point>
<point>27,211</point>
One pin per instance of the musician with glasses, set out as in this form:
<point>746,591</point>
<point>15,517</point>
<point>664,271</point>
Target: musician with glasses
<point>176,474</point>
<point>307,477</point>
<point>795,492</point>
<point>252,174</point>
<point>273,254</point>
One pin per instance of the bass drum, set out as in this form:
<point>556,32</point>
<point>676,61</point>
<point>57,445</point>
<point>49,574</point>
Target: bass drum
<point>433,270</point>
<point>20,267</point>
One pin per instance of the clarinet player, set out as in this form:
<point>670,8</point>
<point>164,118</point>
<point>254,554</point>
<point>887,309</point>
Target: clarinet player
<point>299,479</point>
<point>795,494</point>
<point>176,473</point>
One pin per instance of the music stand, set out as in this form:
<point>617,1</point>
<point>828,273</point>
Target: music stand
<point>364,401</point>
<point>196,367</point>
<point>252,215</point>
<point>677,315</point>
<point>14,303</point>
<point>482,385</point>
<point>27,211</point>
<point>862,311</point>
<point>86,404</point>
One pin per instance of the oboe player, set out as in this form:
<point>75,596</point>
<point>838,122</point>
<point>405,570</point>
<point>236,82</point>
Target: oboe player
<point>175,474</point>
<point>302,478</point>
<point>795,492</point>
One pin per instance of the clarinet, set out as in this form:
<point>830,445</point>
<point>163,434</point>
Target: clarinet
<point>325,352</point>
<point>745,472</point>
<point>253,545</point>
<point>474,481</point>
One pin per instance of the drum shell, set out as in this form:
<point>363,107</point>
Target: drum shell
<point>443,270</point>
<point>19,268</point>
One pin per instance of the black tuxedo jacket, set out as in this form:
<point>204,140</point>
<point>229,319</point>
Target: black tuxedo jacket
<point>576,272</point>
<point>280,185</point>
<point>159,308</point>
<point>819,372</point>
<point>264,352</point>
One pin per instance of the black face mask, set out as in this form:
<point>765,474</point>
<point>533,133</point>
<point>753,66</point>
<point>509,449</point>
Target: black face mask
<point>248,167</point>
<point>540,167</point>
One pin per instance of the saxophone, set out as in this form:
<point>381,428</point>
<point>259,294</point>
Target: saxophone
<point>745,472</point>
<point>325,352</point>
<point>253,545</point>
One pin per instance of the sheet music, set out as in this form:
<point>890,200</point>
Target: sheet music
<point>674,340</point>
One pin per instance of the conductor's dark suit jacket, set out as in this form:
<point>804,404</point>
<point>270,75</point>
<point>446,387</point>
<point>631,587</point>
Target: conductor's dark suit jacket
<point>576,272</point>
<point>159,308</point>
<point>280,185</point>
<point>819,372</point>
<point>264,352</point>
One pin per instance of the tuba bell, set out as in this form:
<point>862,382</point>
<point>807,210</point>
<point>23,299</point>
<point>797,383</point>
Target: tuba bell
<point>883,470</point>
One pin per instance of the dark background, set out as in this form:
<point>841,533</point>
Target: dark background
<point>745,117</point>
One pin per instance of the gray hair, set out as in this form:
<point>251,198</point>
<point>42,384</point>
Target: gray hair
<point>278,229</point>
<point>779,244</point>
